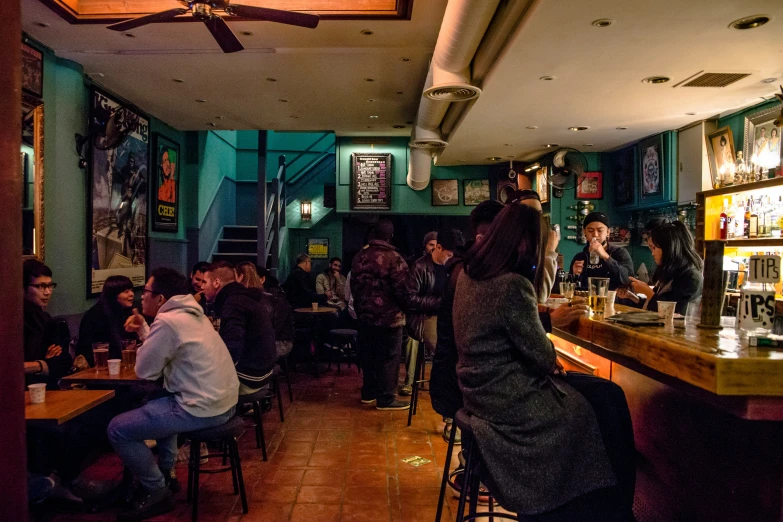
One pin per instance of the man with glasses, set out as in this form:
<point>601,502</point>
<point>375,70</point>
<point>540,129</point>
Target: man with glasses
<point>46,341</point>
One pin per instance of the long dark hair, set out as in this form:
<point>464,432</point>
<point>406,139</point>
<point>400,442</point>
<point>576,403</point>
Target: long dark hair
<point>511,245</point>
<point>114,286</point>
<point>679,254</point>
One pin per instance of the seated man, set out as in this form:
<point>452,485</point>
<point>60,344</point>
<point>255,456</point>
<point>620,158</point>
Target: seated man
<point>299,287</point>
<point>331,283</point>
<point>245,325</point>
<point>46,357</point>
<point>182,347</point>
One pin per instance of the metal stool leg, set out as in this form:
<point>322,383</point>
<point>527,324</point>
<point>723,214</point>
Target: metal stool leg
<point>276,386</point>
<point>234,447</point>
<point>417,376</point>
<point>446,469</point>
<point>196,470</point>
<point>463,494</point>
<point>260,440</point>
<point>284,364</point>
<point>193,455</point>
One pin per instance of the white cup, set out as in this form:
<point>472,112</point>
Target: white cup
<point>114,366</point>
<point>610,297</point>
<point>37,392</point>
<point>666,310</point>
<point>315,307</point>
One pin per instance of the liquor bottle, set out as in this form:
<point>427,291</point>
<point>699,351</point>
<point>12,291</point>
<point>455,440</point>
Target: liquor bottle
<point>574,218</point>
<point>754,220</point>
<point>767,217</point>
<point>724,221</point>
<point>746,223</point>
<point>573,207</point>
<point>739,221</point>
<point>740,170</point>
<point>572,227</point>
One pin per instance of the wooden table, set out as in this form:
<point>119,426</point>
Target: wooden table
<point>62,406</point>
<point>321,310</point>
<point>91,377</point>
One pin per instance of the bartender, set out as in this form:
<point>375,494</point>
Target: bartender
<point>599,258</point>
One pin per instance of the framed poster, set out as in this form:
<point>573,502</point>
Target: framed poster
<point>621,163</point>
<point>117,192</point>
<point>32,70</point>
<point>762,139</point>
<point>506,189</point>
<point>720,151</point>
<point>474,191</point>
<point>165,188</point>
<point>371,184</point>
<point>318,248</point>
<point>542,184</point>
<point>445,192</point>
<point>590,186</point>
<point>651,166</point>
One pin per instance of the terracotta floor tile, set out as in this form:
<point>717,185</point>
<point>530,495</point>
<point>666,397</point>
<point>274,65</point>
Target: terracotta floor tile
<point>315,513</point>
<point>418,478</point>
<point>366,478</point>
<point>367,460</point>
<point>423,496</point>
<point>329,446</point>
<point>296,447</point>
<point>368,447</point>
<point>299,435</point>
<point>284,476</point>
<point>328,460</point>
<point>364,513</point>
<point>278,493</point>
<point>263,512</point>
<point>376,496</point>
<point>290,461</point>
<point>320,495</point>
<point>323,477</point>
<point>334,435</point>
<point>407,449</point>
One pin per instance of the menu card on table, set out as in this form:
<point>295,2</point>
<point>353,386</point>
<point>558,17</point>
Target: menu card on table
<point>371,182</point>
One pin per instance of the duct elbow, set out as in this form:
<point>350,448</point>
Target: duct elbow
<point>419,168</point>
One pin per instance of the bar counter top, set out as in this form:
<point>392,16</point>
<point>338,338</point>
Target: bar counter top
<point>719,362</point>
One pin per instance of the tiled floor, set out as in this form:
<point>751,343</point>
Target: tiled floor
<point>333,459</point>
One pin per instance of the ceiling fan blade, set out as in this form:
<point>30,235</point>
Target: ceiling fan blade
<point>163,16</point>
<point>274,15</point>
<point>223,35</point>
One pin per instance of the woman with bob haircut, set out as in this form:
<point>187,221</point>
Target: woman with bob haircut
<point>537,435</point>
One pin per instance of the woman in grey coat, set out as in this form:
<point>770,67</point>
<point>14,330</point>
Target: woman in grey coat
<point>537,435</point>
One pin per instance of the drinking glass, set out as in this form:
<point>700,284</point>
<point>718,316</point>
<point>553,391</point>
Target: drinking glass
<point>693,313</point>
<point>100,354</point>
<point>597,288</point>
<point>129,358</point>
<point>567,290</point>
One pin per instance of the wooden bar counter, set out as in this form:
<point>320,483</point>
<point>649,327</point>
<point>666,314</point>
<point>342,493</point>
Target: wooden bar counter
<point>707,412</point>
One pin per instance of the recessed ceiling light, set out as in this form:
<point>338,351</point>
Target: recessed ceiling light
<point>211,124</point>
<point>551,145</point>
<point>508,144</point>
<point>283,100</point>
<point>690,114</point>
<point>398,126</point>
<point>373,117</point>
<point>532,127</point>
<point>576,129</point>
<point>366,32</point>
<point>656,79</point>
<point>749,22</point>
<point>220,117</point>
<point>369,79</point>
<point>494,158</point>
<point>399,92</point>
<point>405,59</point>
<point>621,128</point>
<point>547,78</point>
<point>602,22</point>
<point>178,80</point>
<point>370,100</point>
<point>201,100</point>
<point>271,79</point>
<point>246,33</point>
<point>369,126</point>
<point>588,144</point>
<point>41,24</point>
<point>768,80</point>
<point>130,35</point>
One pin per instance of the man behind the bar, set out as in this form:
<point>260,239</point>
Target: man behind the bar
<point>182,347</point>
<point>245,325</point>
<point>379,277</point>
<point>613,262</point>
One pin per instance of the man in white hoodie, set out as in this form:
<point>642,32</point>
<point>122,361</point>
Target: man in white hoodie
<point>198,374</point>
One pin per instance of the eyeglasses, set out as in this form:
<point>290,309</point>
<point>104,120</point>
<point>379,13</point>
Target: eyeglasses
<point>147,290</point>
<point>45,286</point>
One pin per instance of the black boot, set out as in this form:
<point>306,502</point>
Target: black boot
<point>171,479</point>
<point>151,503</point>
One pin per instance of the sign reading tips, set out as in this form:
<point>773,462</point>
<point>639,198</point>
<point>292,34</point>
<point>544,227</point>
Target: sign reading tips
<point>764,269</point>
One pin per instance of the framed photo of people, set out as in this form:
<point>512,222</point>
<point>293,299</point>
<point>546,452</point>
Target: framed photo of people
<point>651,166</point>
<point>542,184</point>
<point>165,186</point>
<point>117,192</point>
<point>762,139</point>
<point>720,151</point>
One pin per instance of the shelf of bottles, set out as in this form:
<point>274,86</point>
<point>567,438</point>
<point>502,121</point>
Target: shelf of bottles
<point>685,212</point>
<point>574,226</point>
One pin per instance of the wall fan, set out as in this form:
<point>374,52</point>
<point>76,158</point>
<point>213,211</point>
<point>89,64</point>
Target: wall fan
<point>206,12</point>
<point>567,166</point>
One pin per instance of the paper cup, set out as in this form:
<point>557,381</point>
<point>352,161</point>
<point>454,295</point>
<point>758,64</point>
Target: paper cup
<point>315,307</point>
<point>114,366</point>
<point>666,310</point>
<point>37,392</point>
<point>610,297</point>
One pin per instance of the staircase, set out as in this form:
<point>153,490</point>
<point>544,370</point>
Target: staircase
<point>239,243</point>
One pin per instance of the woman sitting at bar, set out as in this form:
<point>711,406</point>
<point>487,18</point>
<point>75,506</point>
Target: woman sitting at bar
<point>105,321</point>
<point>678,275</point>
<point>537,435</point>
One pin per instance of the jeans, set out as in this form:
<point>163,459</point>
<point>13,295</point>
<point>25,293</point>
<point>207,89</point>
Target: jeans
<point>430,331</point>
<point>380,356</point>
<point>162,420</point>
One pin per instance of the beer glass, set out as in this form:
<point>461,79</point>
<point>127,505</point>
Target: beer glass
<point>598,288</point>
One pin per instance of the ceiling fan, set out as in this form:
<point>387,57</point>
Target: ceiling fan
<point>205,11</point>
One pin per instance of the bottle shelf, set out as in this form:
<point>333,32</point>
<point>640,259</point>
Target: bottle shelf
<point>745,187</point>
<point>756,242</point>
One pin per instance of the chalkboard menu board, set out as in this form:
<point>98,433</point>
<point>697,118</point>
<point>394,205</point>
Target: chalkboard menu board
<point>371,183</point>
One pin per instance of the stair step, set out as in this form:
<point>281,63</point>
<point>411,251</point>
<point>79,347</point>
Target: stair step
<point>237,246</point>
<point>240,232</point>
<point>235,258</point>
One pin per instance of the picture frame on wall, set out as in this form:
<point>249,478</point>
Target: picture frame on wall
<point>721,155</point>
<point>590,186</point>
<point>762,139</point>
<point>445,192</point>
<point>318,248</point>
<point>622,164</point>
<point>505,190</point>
<point>474,191</point>
<point>165,186</point>
<point>117,192</point>
<point>542,184</point>
<point>651,167</point>
<point>32,70</point>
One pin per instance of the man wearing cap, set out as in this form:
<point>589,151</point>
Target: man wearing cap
<point>612,262</point>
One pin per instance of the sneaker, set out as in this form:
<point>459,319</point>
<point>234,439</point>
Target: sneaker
<point>447,434</point>
<point>38,487</point>
<point>394,405</point>
<point>368,401</point>
<point>455,483</point>
<point>152,503</point>
<point>406,390</point>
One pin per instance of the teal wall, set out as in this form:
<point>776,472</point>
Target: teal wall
<point>217,160</point>
<point>736,122</point>
<point>404,199</point>
<point>330,227</point>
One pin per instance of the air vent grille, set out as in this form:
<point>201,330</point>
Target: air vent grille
<point>427,144</point>
<point>715,79</point>
<point>453,93</point>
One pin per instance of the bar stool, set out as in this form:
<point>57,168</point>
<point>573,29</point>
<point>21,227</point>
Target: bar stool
<point>419,382</point>
<point>283,363</point>
<point>471,478</point>
<point>255,400</point>
<point>346,341</point>
<point>227,435</point>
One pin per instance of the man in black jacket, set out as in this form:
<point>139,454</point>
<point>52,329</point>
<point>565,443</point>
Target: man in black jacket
<point>300,287</point>
<point>612,262</point>
<point>245,326</point>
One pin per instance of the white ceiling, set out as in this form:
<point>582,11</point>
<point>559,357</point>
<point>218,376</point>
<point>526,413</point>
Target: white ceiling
<point>321,72</point>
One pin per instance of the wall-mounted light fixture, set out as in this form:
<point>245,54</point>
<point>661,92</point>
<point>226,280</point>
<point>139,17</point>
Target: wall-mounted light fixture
<point>306,210</point>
